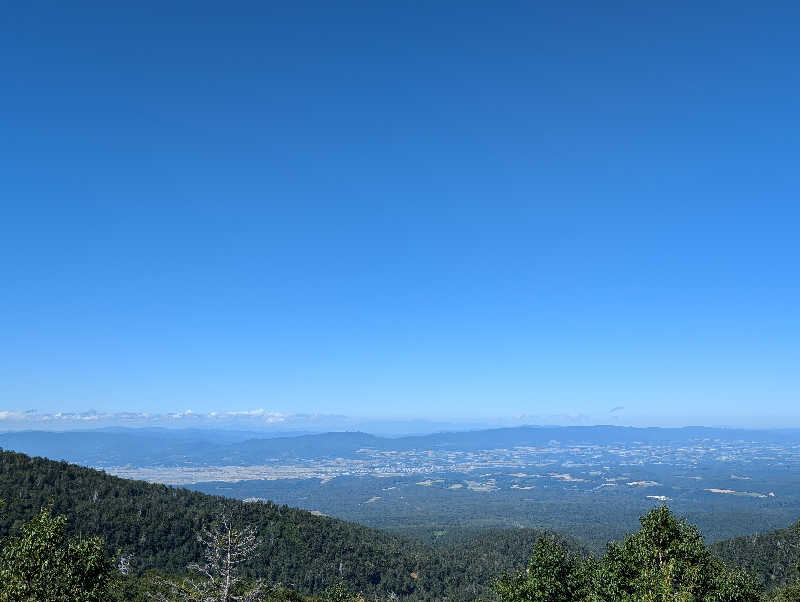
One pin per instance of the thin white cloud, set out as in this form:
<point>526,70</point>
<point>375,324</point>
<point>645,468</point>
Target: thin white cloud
<point>10,419</point>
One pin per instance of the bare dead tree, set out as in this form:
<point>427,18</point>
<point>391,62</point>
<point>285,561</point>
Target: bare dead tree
<point>125,564</point>
<point>225,548</point>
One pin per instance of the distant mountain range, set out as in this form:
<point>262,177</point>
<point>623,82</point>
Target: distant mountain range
<point>177,447</point>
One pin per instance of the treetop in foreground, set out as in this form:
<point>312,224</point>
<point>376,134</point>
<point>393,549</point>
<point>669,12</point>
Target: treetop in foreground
<point>44,564</point>
<point>665,561</point>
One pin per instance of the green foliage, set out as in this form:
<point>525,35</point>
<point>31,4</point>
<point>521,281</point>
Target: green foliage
<point>774,557</point>
<point>134,588</point>
<point>665,561</point>
<point>44,564</point>
<point>340,592</point>
<point>789,593</point>
<point>553,575</point>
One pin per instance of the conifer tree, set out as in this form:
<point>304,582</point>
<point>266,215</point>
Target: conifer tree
<point>665,561</point>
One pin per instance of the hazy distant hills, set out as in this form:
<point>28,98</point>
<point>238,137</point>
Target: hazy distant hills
<point>163,447</point>
<point>173,447</point>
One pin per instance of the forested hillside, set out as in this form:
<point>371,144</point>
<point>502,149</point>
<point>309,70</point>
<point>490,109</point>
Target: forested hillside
<point>774,557</point>
<point>158,524</point>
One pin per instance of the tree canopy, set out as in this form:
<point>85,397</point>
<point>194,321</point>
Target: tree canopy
<point>665,561</point>
<point>44,564</point>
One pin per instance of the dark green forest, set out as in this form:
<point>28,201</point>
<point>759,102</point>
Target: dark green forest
<point>119,539</point>
<point>773,557</point>
<point>157,525</point>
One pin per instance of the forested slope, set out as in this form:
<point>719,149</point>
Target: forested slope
<point>774,556</point>
<point>158,525</point>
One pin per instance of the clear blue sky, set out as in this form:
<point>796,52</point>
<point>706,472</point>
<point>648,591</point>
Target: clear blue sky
<point>439,209</point>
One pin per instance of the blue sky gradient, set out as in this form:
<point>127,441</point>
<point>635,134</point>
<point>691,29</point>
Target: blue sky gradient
<point>443,210</point>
